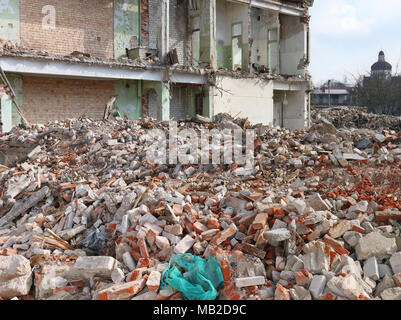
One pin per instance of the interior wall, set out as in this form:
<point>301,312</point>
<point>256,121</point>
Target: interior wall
<point>126,26</point>
<point>9,20</point>
<point>251,98</point>
<point>259,27</point>
<point>128,100</point>
<point>227,14</point>
<point>293,44</point>
<point>296,111</point>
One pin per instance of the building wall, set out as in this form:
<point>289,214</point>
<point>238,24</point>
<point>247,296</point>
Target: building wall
<point>128,101</point>
<point>155,12</point>
<point>85,26</point>
<point>295,113</point>
<point>227,14</point>
<point>56,99</point>
<point>261,21</point>
<point>178,29</point>
<point>292,44</point>
<point>9,20</point>
<point>251,98</point>
<point>126,26</point>
<point>178,104</point>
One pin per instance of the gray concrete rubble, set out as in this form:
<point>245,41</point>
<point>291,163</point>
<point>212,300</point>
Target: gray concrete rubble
<point>85,216</point>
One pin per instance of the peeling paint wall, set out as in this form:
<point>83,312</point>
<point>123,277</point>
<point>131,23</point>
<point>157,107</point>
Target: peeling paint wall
<point>295,114</point>
<point>227,14</point>
<point>179,102</point>
<point>255,94</point>
<point>155,12</point>
<point>128,101</point>
<point>9,20</point>
<point>293,44</point>
<point>126,26</point>
<point>261,21</point>
<point>178,29</point>
<point>16,81</point>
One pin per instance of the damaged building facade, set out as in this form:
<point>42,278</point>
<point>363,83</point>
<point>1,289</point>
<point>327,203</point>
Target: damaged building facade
<point>160,58</point>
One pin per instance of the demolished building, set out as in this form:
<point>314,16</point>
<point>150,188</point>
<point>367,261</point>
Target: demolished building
<point>165,59</point>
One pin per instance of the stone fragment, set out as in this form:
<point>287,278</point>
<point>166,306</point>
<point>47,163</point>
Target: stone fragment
<point>95,266</point>
<point>277,235</point>
<point>184,245</point>
<point>375,245</point>
<point>250,281</point>
<point>395,262</point>
<point>317,203</point>
<point>371,269</point>
<point>15,276</point>
<point>391,294</point>
<point>153,281</point>
<point>317,286</point>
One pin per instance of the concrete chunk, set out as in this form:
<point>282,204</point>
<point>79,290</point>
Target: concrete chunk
<point>371,269</point>
<point>391,294</point>
<point>395,262</point>
<point>317,203</point>
<point>317,286</point>
<point>95,266</point>
<point>15,276</point>
<point>250,281</point>
<point>184,245</point>
<point>277,235</point>
<point>375,245</point>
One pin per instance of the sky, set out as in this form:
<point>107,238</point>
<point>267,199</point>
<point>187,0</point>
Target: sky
<point>347,35</point>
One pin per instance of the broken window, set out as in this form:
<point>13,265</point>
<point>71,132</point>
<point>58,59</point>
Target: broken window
<point>273,50</point>
<point>195,39</point>
<point>236,45</point>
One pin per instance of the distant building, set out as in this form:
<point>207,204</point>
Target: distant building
<point>332,93</point>
<point>382,67</point>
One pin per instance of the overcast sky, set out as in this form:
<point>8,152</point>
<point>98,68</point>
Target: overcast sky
<point>347,35</point>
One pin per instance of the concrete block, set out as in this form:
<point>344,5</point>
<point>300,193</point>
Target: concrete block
<point>300,293</point>
<point>395,262</point>
<point>277,235</point>
<point>162,242</point>
<point>15,276</point>
<point>122,291</point>
<point>375,245</point>
<point>317,203</point>
<point>371,269</point>
<point>391,294</point>
<point>384,269</point>
<point>250,281</point>
<point>95,266</point>
<point>317,286</point>
<point>347,287</point>
<point>117,276</point>
<point>153,281</point>
<point>184,245</point>
<point>129,261</point>
<point>386,283</point>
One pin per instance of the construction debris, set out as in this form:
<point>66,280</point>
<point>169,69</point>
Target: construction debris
<point>84,215</point>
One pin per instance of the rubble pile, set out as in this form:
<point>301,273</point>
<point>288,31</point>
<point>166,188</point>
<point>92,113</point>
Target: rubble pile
<point>357,117</point>
<point>84,214</point>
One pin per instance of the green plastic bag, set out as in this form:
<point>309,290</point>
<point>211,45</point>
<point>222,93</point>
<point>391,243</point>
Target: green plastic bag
<point>203,278</point>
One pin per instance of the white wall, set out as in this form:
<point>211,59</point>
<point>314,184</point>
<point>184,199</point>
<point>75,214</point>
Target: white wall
<point>228,13</point>
<point>295,114</point>
<point>292,45</point>
<point>268,19</point>
<point>251,98</point>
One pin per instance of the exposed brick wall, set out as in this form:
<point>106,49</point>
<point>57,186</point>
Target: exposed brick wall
<point>55,99</point>
<point>178,103</point>
<point>81,25</point>
<point>144,23</point>
<point>155,13</point>
<point>178,29</point>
